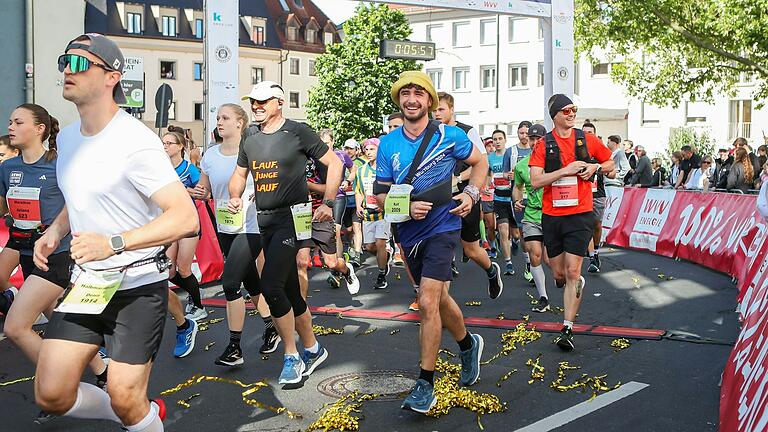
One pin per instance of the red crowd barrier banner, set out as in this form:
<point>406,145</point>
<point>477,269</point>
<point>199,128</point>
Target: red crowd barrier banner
<point>723,232</point>
<point>207,266</point>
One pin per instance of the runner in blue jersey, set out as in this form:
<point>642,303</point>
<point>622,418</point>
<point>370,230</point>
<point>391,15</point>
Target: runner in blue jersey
<point>182,254</point>
<point>431,235</point>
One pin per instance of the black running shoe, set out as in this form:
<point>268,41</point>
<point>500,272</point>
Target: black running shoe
<point>593,267</point>
<point>232,356</point>
<point>597,261</point>
<point>381,281</point>
<point>495,284</point>
<point>565,340</point>
<point>542,305</point>
<point>271,340</point>
<point>44,417</point>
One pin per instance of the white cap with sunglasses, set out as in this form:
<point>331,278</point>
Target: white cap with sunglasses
<point>264,91</point>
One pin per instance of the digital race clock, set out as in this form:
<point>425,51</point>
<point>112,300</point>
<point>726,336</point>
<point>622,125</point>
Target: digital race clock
<point>409,50</point>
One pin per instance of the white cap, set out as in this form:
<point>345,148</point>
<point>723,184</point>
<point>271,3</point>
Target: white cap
<point>265,90</point>
<point>351,143</point>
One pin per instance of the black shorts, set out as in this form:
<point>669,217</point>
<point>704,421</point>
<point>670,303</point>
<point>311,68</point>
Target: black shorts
<point>59,268</point>
<point>131,327</point>
<point>470,225</point>
<point>432,257</point>
<point>503,212</point>
<point>339,208</point>
<point>569,234</point>
<point>323,236</point>
<point>395,237</point>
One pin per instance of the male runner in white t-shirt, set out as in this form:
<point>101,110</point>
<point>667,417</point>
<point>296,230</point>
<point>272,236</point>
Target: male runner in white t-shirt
<point>124,200</point>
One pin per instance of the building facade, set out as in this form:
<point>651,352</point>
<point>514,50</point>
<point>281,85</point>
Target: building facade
<point>493,66</point>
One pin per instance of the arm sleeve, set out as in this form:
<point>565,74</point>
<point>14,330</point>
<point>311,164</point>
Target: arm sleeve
<point>310,142</point>
<point>506,163</point>
<point>537,155</point>
<point>462,145</point>
<point>194,174</point>
<point>150,171</point>
<point>242,157</point>
<point>384,171</point>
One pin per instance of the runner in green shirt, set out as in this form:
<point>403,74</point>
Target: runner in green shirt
<point>525,197</point>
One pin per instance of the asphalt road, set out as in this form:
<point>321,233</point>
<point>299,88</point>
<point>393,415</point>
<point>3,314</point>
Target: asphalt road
<point>668,384</point>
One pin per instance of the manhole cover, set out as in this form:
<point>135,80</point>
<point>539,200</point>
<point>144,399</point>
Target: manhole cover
<point>388,384</point>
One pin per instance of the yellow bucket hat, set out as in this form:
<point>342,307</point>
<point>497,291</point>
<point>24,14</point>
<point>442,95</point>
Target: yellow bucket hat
<point>414,77</point>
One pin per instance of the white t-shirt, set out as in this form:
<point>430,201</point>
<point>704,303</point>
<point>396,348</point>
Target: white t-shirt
<point>107,181</point>
<point>219,169</point>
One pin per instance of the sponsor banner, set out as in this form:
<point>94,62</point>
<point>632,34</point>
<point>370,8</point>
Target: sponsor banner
<point>222,24</point>
<point>723,232</point>
<point>613,198</point>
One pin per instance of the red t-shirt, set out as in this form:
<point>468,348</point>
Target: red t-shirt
<point>596,150</point>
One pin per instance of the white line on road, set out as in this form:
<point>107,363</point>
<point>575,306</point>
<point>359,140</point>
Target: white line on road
<point>577,411</point>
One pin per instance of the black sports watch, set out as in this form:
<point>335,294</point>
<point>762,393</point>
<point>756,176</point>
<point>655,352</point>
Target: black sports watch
<point>599,169</point>
<point>329,202</point>
<point>117,243</point>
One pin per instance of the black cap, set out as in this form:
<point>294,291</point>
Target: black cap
<point>108,52</point>
<point>558,102</point>
<point>525,123</point>
<point>537,130</point>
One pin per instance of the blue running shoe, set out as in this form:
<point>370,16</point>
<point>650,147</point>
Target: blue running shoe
<point>470,361</point>
<point>492,253</point>
<point>312,361</point>
<point>293,368</point>
<point>509,269</point>
<point>185,340</point>
<point>421,399</point>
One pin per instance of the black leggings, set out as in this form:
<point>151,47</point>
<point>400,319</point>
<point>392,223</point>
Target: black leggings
<point>280,278</point>
<point>240,251</point>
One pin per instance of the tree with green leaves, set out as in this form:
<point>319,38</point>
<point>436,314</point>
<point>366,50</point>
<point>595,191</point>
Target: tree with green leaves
<point>353,86</point>
<point>672,50</point>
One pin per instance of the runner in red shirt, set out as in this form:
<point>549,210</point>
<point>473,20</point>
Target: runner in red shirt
<point>567,219</point>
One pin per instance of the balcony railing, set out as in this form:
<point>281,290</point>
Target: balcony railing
<point>736,130</point>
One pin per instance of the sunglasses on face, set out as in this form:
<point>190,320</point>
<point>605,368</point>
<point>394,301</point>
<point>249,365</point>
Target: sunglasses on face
<point>78,63</point>
<point>569,111</point>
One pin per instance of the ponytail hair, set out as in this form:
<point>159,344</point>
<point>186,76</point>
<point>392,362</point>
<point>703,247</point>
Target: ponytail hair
<point>239,113</point>
<point>41,117</point>
<point>181,140</point>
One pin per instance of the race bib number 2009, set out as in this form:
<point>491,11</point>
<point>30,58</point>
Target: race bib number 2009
<point>397,206</point>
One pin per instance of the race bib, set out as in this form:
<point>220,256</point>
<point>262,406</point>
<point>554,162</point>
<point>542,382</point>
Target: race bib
<point>397,206</point>
<point>91,291</point>
<point>228,222</point>
<point>500,182</point>
<point>302,220</point>
<point>24,206</point>
<point>370,199</point>
<point>565,192</point>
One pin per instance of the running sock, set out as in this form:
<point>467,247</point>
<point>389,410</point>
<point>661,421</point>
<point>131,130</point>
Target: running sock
<point>183,326</point>
<point>268,324</point>
<point>382,270</point>
<point>234,336</point>
<point>92,403</point>
<point>428,376</point>
<point>592,254</point>
<point>103,376</point>
<point>527,257</point>
<point>192,287</point>
<point>539,279</point>
<point>466,343</point>
<point>294,355</point>
<point>491,271</point>
<point>568,324</point>
<point>509,261</point>
<point>150,423</point>
<point>314,348</point>
<point>176,280</point>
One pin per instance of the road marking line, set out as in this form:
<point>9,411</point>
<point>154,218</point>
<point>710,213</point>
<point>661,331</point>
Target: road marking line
<point>577,411</point>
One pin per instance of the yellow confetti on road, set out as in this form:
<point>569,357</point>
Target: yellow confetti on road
<point>620,344</point>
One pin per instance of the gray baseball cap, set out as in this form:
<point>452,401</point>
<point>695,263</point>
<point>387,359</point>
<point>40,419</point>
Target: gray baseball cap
<point>537,130</point>
<point>107,51</point>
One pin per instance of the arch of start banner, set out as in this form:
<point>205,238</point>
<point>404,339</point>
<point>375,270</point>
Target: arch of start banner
<point>557,19</point>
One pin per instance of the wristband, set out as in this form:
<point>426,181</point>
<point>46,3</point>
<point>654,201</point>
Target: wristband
<point>473,193</point>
